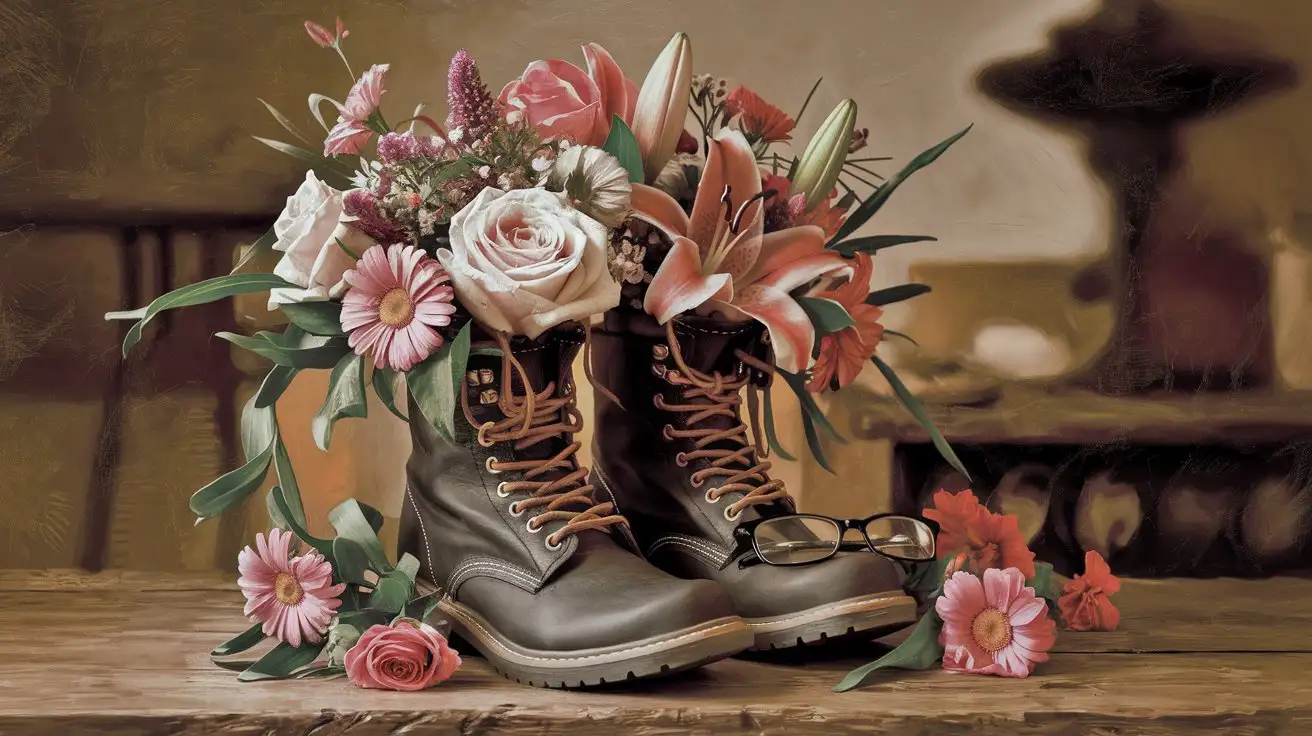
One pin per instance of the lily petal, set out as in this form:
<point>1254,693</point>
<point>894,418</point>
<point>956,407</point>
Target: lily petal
<point>797,273</point>
<point>679,284</point>
<point>731,163</point>
<point>786,246</point>
<point>618,92</point>
<point>655,206</point>
<point>791,333</point>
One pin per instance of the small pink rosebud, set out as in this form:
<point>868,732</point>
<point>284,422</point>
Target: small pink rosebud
<point>321,35</point>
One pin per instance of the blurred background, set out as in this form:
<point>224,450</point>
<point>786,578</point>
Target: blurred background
<point>1117,341</point>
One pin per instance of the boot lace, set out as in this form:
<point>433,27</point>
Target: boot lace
<point>711,395</point>
<point>530,419</point>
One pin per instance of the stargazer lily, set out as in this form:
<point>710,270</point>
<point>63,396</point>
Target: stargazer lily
<point>721,260</point>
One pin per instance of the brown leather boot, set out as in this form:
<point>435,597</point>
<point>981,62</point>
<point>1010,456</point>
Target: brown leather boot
<point>537,570</point>
<point>678,461</point>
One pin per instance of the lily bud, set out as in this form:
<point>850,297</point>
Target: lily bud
<point>822,161</point>
<point>662,105</point>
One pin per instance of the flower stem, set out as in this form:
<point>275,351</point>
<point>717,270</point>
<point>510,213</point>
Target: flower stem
<point>338,49</point>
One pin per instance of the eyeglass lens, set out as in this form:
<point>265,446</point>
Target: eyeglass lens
<point>902,537</point>
<point>797,540</point>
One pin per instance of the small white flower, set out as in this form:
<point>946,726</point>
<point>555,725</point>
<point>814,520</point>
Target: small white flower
<point>594,183</point>
<point>542,163</point>
<point>484,172</point>
<point>455,135</point>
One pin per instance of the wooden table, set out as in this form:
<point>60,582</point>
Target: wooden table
<point>126,654</point>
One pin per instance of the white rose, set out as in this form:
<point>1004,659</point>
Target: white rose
<point>307,232</point>
<point>524,261</point>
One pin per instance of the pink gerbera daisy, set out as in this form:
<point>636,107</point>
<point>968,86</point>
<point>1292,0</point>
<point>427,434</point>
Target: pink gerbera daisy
<point>292,596</point>
<point>398,297</point>
<point>997,627</point>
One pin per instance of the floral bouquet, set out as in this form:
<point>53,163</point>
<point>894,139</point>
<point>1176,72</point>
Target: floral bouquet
<point>570,192</point>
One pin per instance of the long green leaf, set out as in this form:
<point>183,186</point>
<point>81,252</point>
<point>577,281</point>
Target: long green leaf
<point>231,488</point>
<point>274,384</point>
<point>201,292</point>
<point>313,352</point>
<point>349,561</point>
<point>917,410</point>
<point>290,491</point>
<point>345,399</point>
<point>257,250</point>
<point>392,592</point>
<point>770,436</point>
<point>285,123</point>
<point>326,165</point>
<point>281,661</point>
<point>826,314</point>
<point>433,383</point>
<point>315,104</point>
<point>350,522</point>
<point>384,383</point>
<point>236,645</point>
<point>408,565</point>
<point>894,294</point>
<point>903,335</point>
<point>278,501</point>
<point>316,318</point>
<point>919,651</point>
<point>813,441</point>
<point>798,383</point>
<point>868,208</point>
<point>259,427</point>
<point>876,243</point>
<point>622,145</point>
<point>371,515</point>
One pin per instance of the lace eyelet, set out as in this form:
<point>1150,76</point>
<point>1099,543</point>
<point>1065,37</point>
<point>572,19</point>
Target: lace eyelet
<point>711,499</point>
<point>489,467</point>
<point>515,510</point>
<point>658,402</point>
<point>665,432</point>
<point>731,516</point>
<point>501,490</point>
<point>481,440</point>
<point>697,480</point>
<point>532,529</point>
<point>555,546</point>
<point>681,459</point>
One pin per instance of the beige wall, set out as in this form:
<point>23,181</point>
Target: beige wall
<point>120,106</point>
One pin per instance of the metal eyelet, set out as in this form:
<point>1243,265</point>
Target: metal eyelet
<point>681,459</point>
<point>672,376</point>
<point>660,352</point>
<point>731,516</point>
<point>515,510</point>
<point>658,370</point>
<point>501,490</point>
<point>658,401</point>
<point>554,547</point>
<point>697,480</point>
<point>481,440</point>
<point>532,529</point>
<point>665,432</point>
<point>489,462</point>
<point>712,499</point>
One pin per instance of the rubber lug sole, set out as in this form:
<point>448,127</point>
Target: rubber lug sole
<point>868,617</point>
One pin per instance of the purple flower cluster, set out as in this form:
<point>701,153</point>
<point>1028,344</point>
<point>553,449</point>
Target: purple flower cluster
<point>400,148</point>
<point>471,107</point>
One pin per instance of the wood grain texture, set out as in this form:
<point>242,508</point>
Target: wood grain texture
<point>138,666</point>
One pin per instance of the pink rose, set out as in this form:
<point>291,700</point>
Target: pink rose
<point>408,655</point>
<point>352,132</point>
<point>563,101</point>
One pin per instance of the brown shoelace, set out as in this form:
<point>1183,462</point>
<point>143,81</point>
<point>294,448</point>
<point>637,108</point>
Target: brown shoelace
<point>531,419</point>
<point>744,469</point>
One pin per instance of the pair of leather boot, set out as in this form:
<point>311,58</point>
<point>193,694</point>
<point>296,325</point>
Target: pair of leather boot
<point>562,578</point>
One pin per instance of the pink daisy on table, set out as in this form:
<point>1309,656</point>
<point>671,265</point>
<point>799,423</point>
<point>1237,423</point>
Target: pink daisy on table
<point>994,627</point>
<point>293,597</point>
<point>398,297</point>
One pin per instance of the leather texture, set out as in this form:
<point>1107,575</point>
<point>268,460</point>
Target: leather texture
<point>673,520</point>
<point>594,590</point>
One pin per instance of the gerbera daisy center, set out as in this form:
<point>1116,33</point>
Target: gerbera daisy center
<point>287,589</point>
<point>396,310</point>
<point>991,629</point>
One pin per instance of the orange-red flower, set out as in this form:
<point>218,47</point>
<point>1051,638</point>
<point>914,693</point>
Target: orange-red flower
<point>1085,605</point>
<point>989,539</point>
<point>760,120</point>
<point>844,353</point>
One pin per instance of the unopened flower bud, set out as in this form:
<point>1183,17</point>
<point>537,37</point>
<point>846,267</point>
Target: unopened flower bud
<point>822,161</point>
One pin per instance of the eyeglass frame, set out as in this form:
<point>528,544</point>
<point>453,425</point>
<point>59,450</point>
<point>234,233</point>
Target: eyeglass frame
<point>745,533</point>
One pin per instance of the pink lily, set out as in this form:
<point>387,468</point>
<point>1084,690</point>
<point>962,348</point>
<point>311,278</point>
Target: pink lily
<point>722,261</point>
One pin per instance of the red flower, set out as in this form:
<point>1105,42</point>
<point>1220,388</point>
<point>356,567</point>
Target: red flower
<point>844,353</point>
<point>760,121</point>
<point>1086,605</point>
<point>988,539</point>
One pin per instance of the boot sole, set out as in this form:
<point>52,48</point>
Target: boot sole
<point>868,617</point>
<point>657,656</point>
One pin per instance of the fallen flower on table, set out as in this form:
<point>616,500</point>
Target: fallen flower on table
<point>990,540</point>
<point>993,627</point>
<point>1085,604</point>
<point>407,655</point>
<point>291,596</point>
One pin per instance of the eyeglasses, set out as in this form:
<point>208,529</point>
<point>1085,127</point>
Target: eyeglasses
<point>803,539</point>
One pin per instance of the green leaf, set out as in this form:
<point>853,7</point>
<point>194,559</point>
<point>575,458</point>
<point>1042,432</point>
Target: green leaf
<point>826,314</point>
<point>202,292</point>
<point>350,522</point>
<point>433,383</point>
<point>278,501</point>
<point>392,592</point>
<point>770,436</point>
<point>350,561</point>
<point>917,410</point>
<point>318,672</point>
<point>285,123</point>
<point>363,618</point>
<point>281,662</point>
<point>345,399</point>
<point>315,104</point>
<point>384,383</point>
<point>895,333</point>
<point>798,383</point>
<point>920,651</point>
<point>258,429</point>
<point>926,577</point>
<point>236,645</point>
<point>893,294</point>
<point>330,168</point>
<point>622,145</point>
<point>422,607</point>
<point>876,243</point>
<point>1044,584</point>
<point>312,351</point>
<point>274,384</point>
<point>372,515</point>
<point>291,492</point>
<point>258,249</point>
<point>316,318</point>
<point>408,565</point>
<point>814,443</point>
<point>868,208</point>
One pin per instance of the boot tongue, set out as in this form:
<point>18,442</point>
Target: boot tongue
<point>708,345</point>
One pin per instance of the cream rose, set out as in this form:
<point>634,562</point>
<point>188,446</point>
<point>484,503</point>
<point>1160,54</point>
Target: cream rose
<point>307,231</point>
<point>524,261</point>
